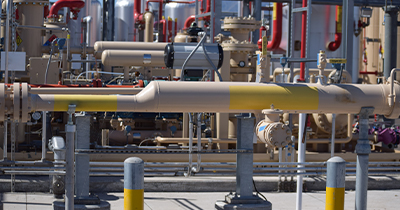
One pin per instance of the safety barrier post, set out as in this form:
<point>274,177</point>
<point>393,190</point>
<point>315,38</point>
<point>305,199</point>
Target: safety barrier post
<point>133,183</point>
<point>335,182</point>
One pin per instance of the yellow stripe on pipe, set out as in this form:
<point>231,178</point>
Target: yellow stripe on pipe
<point>89,103</point>
<point>133,199</point>
<point>334,198</point>
<point>285,98</point>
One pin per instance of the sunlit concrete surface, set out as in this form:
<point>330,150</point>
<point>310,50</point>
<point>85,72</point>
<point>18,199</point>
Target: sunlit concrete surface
<point>377,200</point>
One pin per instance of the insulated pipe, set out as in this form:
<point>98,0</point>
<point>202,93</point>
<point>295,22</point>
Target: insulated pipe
<point>303,42</point>
<point>277,27</point>
<point>149,25</point>
<point>231,97</point>
<point>133,58</point>
<point>332,46</point>
<point>99,47</point>
<point>74,5</point>
<point>91,91</point>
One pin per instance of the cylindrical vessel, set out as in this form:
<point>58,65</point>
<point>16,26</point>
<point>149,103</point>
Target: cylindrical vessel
<point>181,11</point>
<point>133,183</point>
<point>132,58</point>
<point>30,14</point>
<point>96,26</point>
<point>99,47</point>
<point>124,21</point>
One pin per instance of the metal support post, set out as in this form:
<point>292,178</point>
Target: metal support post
<point>69,159</point>
<point>390,52</point>
<point>244,198</point>
<point>133,183</point>
<point>362,149</point>
<point>44,134</point>
<point>12,153</point>
<point>348,32</point>
<point>257,16</point>
<point>5,139</point>
<point>335,183</point>
<point>246,9</point>
<point>333,135</point>
<point>82,141</point>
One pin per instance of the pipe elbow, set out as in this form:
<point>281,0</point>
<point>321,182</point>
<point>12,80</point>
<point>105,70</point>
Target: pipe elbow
<point>74,5</point>
<point>189,21</point>
<point>333,46</point>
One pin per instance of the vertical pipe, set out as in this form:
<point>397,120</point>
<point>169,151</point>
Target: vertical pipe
<point>7,41</point>
<point>333,135</point>
<point>335,183</point>
<point>293,153</point>
<point>190,144</point>
<point>69,162</point>
<point>280,177</point>
<point>300,159</point>
<point>44,134</point>
<point>257,16</point>
<point>362,149</point>
<point>126,74</point>
<point>390,52</point>
<point>244,161</point>
<point>196,10</point>
<point>198,141</point>
<point>349,35</point>
<point>303,41</point>
<point>246,10</point>
<point>5,140</point>
<point>133,183</point>
<point>88,20</point>
<point>212,23</point>
<point>82,141</point>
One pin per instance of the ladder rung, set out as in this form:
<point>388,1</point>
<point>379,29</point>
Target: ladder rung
<point>300,9</point>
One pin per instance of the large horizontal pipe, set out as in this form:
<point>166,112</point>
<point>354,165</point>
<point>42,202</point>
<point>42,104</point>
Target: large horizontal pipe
<point>133,58</point>
<point>94,91</point>
<point>99,47</point>
<point>186,140</point>
<point>231,97</point>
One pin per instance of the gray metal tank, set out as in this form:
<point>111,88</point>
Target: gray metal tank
<point>96,26</point>
<point>124,21</point>
<point>179,10</point>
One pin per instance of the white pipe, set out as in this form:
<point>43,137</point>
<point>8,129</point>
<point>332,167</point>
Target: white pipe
<point>280,160</point>
<point>300,158</point>
<point>88,20</point>
<point>333,135</point>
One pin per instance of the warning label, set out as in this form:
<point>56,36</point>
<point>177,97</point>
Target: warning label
<point>18,40</point>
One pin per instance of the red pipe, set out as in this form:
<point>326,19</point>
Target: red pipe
<point>74,5</point>
<point>136,11</point>
<point>192,18</point>
<point>369,72</point>
<point>164,23</point>
<point>303,42</point>
<point>259,42</point>
<point>277,27</point>
<point>338,34</point>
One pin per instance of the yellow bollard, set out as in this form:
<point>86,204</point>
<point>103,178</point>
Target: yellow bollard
<point>335,182</point>
<point>133,184</point>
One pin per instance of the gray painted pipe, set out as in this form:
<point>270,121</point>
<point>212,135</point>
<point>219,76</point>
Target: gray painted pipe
<point>390,52</point>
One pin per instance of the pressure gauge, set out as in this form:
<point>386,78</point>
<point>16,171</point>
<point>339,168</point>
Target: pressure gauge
<point>36,116</point>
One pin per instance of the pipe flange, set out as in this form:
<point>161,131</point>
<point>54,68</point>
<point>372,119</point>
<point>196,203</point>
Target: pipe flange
<point>24,103</point>
<point>16,101</point>
<point>2,102</point>
<point>239,46</point>
<point>274,134</point>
